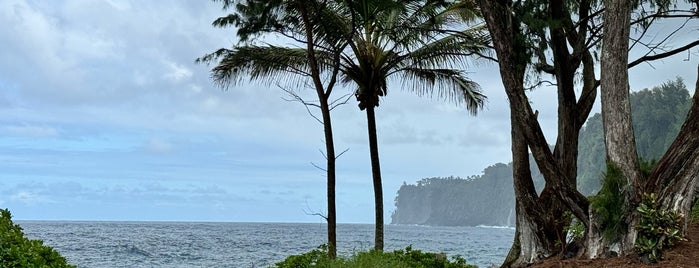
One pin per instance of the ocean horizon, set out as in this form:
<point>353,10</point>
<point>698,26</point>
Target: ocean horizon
<point>249,244</point>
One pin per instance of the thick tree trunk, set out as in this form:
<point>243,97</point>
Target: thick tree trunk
<point>376,176</point>
<point>616,110</point>
<point>533,241</point>
<point>618,130</point>
<point>538,227</point>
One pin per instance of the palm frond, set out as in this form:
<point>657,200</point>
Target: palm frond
<point>451,51</point>
<point>260,62</point>
<point>449,84</point>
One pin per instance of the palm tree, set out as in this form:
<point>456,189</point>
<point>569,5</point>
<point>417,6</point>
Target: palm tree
<point>368,43</point>
<point>412,41</point>
<point>301,21</point>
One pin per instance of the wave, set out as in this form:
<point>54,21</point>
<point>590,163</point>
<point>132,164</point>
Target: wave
<point>134,250</point>
<point>495,227</point>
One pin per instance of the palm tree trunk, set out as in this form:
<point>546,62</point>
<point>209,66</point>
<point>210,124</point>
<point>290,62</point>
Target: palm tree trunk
<point>323,97</point>
<point>330,169</point>
<point>376,176</point>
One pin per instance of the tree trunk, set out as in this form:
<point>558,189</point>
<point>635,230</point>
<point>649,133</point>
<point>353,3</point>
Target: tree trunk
<point>323,94</point>
<point>533,241</point>
<point>376,176</point>
<point>330,173</point>
<point>618,130</point>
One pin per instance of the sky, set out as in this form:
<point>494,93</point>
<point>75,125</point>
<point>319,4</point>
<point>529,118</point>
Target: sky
<point>105,116</point>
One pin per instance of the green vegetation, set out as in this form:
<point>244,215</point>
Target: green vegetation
<point>398,259</point>
<point>608,203</point>
<point>659,229</point>
<point>694,216</point>
<point>657,114</point>
<point>575,229</point>
<point>18,251</point>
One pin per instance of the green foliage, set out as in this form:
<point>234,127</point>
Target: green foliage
<point>576,229</point>
<point>694,215</point>
<point>646,166</point>
<point>314,258</point>
<point>398,259</point>
<point>608,203</point>
<point>18,251</point>
<point>658,229</point>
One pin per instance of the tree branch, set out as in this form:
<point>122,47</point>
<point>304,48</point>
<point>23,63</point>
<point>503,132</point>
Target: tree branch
<point>663,55</point>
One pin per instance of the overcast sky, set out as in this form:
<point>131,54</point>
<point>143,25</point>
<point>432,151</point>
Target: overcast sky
<point>105,116</point>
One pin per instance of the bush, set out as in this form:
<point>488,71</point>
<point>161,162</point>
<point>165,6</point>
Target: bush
<point>658,229</point>
<point>608,203</point>
<point>18,251</point>
<point>398,259</point>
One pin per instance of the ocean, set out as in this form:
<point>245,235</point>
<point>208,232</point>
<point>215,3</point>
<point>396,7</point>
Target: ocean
<point>200,244</point>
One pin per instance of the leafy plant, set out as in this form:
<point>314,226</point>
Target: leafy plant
<point>608,203</point>
<point>17,251</point>
<point>658,229</point>
<point>575,229</point>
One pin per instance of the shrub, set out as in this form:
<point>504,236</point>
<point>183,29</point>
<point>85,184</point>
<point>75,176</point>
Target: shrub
<point>396,259</point>
<point>18,251</point>
<point>657,230</point>
<point>608,203</point>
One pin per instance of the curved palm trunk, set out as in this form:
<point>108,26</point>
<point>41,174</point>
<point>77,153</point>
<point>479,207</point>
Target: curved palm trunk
<point>376,176</point>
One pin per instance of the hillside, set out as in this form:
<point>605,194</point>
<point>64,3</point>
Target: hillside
<point>488,199</point>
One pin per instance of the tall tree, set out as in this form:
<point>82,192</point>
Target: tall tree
<point>616,120</point>
<point>415,41</point>
<point>308,23</point>
<point>367,43</point>
<point>525,34</point>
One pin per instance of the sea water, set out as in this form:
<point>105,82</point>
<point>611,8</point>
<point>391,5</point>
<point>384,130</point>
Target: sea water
<point>197,244</point>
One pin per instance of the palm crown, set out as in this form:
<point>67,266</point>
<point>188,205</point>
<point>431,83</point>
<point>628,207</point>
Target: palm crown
<point>416,42</point>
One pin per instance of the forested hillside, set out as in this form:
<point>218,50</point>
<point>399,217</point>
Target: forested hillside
<point>488,199</point>
<point>657,114</point>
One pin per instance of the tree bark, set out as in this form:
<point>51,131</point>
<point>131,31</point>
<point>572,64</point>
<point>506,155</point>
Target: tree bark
<point>616,119</point>
<point>533,241</point>
<point>376,177</point>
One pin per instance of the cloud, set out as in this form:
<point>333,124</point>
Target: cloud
<point>158,146</point>
<point>177,72</point>
<point>28,198</point>
<point>29,131</point>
